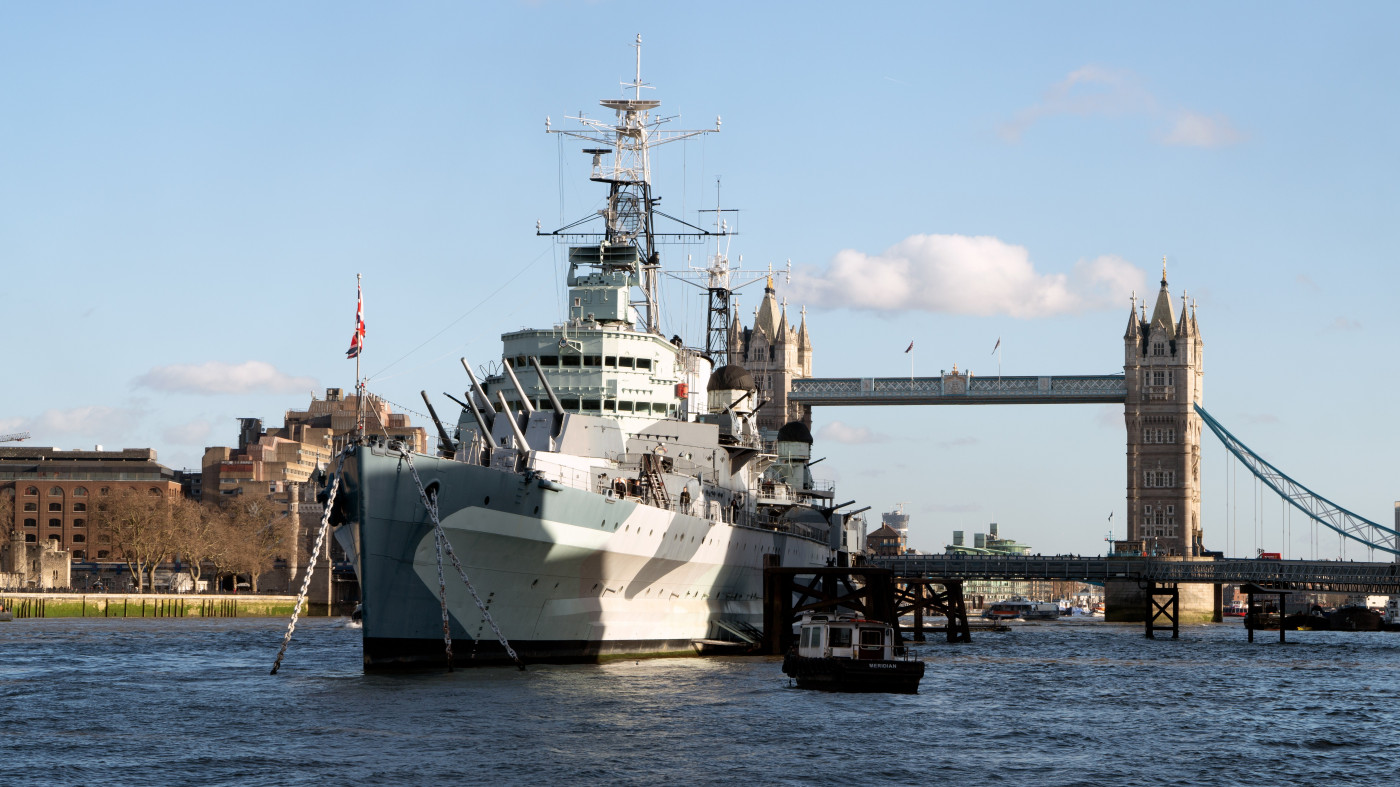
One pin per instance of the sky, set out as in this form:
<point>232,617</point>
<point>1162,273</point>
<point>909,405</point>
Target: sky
<point>187,192</point>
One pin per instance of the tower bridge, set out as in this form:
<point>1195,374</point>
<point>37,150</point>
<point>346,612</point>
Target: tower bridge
<point>1161,393</point>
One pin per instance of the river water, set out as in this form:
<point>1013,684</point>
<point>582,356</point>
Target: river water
<point>1058,703</point>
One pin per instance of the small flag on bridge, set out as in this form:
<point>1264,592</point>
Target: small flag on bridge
<point>994,349</point>
<point>910,347</point>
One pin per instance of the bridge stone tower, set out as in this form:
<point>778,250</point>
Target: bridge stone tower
<point>1163,368</point>
<point>775,353</point>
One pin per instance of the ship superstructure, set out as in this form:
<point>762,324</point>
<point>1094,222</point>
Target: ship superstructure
<point>607,490</point>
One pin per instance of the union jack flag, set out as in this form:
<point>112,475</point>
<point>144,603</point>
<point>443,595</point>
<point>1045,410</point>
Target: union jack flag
<point>357,340</point>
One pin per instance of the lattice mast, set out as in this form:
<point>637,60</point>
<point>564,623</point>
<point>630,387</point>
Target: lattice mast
<point>631,208</point>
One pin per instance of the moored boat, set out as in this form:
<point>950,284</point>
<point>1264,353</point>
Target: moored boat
<point>847,653</point>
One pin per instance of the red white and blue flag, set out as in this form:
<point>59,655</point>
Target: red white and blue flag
<point>910,347</point>
<point>357,341</point>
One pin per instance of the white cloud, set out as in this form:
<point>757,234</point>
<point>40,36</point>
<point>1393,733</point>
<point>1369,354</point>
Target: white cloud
<point>1190,129</point>
<point>94,420</point>
<point>843,433</point>
<point>192,433</point>
<point>216,377</point>
<point>961,274</point>
<point>1094,90</point>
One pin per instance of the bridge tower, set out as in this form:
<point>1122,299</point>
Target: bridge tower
<point>1163,369</point>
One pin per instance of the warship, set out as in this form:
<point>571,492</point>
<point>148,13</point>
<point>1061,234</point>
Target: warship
<point>607,490</point>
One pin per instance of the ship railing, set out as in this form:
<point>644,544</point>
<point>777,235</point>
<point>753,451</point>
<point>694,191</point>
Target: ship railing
<point>564,474</point>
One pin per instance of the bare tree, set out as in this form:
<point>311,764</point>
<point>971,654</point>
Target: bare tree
<point>142,526</point>
<point>195,535</point>
<point>258,529</point>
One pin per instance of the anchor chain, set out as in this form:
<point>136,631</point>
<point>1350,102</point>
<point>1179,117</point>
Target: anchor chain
<point>311,567</point>
<point>445,544</point>
<point>442,594</point>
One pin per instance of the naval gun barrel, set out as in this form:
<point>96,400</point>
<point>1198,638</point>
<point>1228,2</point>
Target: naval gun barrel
<point>476,413</point>
<point>449,448</point>
<point>520,444</point>
<point>553,400</point>
<point>520,389</point>
<point>476,386</point>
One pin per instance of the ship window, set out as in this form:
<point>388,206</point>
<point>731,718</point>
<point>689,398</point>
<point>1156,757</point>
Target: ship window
<point>590,404</point>
<point>549,360</point>
<point>592,360</point>
<point>625,362</point>
<point>569,360</point>
<point>569,404</point>
<point>643,363</point>
<point>625,407</point>
<point>839,638</point>
<point>610,405</point>
<point>610,360</point>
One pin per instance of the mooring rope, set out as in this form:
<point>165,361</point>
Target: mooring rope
<point>311,567</point>
<point>447,545</point>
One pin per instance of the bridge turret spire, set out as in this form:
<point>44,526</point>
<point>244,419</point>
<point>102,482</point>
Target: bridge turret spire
<point>1134,332</point>
<point>1162,312</point>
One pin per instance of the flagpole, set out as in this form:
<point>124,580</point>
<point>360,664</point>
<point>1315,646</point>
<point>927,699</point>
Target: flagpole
<point>359,386</point>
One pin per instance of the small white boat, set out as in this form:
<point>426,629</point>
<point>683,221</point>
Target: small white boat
<point>1024,609</point>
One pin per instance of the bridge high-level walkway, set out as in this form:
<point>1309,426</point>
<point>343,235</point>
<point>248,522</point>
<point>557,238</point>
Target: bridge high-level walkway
<point>1310,575</point>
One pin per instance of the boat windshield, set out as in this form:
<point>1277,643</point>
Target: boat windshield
<point>839,638</point>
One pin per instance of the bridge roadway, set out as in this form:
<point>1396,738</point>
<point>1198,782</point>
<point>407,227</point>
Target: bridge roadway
<point>960,389</point>
<point>1310,575</point>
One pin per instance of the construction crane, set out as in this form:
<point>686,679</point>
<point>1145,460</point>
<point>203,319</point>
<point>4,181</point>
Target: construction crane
<point>14,437</point>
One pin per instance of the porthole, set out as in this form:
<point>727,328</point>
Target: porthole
<point>487,502</point>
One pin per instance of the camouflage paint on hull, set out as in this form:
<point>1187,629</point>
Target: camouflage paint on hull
<point>567,574</point>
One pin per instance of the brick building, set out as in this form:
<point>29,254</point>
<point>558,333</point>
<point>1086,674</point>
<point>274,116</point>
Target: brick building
<point>54,492</point>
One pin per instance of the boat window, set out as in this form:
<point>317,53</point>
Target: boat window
<point>811,637</point>
<point>839,638</point>
<point>592,360</point>
<point>643,363</point>
<point>610,405</point>
<point>643,407</point>
<point>625,407</point>
<point>549,360</point>
<point>871,637</point>
<point>624,362</point>
<point>590,404</point>
<point>569,361</point>
<point>610,360</point>
<point>569,404</point>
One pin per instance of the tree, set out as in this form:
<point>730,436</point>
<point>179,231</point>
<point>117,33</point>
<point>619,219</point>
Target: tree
<point>141,525</point>
<point>258,531</point>
<point>196,535</point>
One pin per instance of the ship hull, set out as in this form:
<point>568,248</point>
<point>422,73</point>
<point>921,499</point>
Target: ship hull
<point>567,574</point>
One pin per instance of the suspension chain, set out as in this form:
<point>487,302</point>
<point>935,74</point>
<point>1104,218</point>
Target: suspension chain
<point>445,544</point>
<point>311,567</point>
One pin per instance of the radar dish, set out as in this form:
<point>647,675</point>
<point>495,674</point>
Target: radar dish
<point>628,104</point>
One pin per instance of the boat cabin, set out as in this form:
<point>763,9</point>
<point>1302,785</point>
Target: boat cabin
<point>845,637</point>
